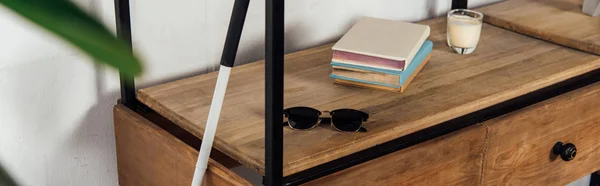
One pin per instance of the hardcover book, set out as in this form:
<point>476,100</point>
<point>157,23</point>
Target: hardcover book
<point>379,76</point>
<point>391,79</point>
<point>381,43</point>
<point>381,86</point>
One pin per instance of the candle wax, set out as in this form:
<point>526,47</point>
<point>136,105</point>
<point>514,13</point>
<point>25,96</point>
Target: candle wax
<point>463,31</point>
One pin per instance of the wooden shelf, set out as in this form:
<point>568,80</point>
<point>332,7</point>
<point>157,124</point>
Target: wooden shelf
<point>505,65</point>
<point>557,21</point>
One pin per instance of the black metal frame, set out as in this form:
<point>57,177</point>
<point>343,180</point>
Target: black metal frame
<point>595,179</point>
<point>274,61</point>
<point>459,4</point>
<point>274,92</point>
<point>123,21</point>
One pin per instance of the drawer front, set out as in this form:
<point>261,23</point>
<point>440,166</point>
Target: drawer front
<point>519,144</point>
<point>148,155</point>
<point>453,159</point>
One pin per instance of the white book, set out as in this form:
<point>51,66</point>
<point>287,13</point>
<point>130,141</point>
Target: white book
<point>386,39</point>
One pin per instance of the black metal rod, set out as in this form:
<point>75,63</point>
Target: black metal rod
<point>274,92</point>
<point>459,4</point>
<point>123,21</point>
<point>595,179</point>
<point>234,33</point>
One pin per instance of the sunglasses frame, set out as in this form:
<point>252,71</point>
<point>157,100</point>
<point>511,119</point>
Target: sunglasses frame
<point>364,115</point>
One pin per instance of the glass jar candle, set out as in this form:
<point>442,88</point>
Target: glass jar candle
<point>463,30</point>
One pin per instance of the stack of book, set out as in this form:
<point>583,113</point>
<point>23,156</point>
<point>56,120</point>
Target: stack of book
<point>381,54</point>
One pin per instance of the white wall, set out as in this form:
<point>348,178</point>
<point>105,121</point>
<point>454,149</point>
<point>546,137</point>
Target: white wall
<point>55,125</point>
<point>186,36</point>
<point>56,106</point>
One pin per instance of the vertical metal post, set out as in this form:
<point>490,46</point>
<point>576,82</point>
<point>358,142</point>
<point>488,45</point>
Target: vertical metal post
<point>459,4</point>
<point>274,92</point>
<point>123,21</point>
<point>595,179</point>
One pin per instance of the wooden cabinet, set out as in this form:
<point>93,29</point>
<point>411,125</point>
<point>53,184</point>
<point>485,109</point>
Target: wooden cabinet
<point>511,149</point>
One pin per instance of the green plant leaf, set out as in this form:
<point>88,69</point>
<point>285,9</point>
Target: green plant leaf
<point>5,179</point>
<point>68,21</point>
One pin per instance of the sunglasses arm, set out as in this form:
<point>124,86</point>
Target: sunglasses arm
<point>365,116</point>
<point>285,118</point>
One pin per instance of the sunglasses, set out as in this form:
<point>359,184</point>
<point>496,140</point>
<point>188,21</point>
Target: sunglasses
<point>345,120</point>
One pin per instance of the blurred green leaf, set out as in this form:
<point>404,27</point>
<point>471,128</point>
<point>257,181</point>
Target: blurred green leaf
<point>68,21</point>
<point>5,179</point>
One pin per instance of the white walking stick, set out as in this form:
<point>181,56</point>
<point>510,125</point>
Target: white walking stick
<point>238,15</point>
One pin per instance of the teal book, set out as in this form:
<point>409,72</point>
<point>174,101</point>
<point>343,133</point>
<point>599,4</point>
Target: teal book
<point>382,77</point>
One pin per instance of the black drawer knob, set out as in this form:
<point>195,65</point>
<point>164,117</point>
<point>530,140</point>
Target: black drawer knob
<point>567,151</point>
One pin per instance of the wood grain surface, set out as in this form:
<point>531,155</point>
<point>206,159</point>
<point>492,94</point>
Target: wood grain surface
<point>504,65</point>
<point>557,21</point>
<point>453,159</point>
<point>148,155</point>
<point>520,143</point>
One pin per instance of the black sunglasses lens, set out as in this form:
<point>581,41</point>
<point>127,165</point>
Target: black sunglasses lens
<point>302,118</point>
<point>347,120</point>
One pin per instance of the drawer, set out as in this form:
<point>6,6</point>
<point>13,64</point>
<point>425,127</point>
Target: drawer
<point>148,155</point>
<point>519,144</point>
<point>453,159</point>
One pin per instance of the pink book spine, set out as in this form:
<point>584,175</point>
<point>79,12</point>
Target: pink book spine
<point>371,61</point>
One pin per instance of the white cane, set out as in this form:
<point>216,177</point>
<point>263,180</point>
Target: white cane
<point>238,16</point>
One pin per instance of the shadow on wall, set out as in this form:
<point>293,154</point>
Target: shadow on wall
<point>431,8</point>
<point>95,132</point>
<point>53,129</point>
<point>253,50</point>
